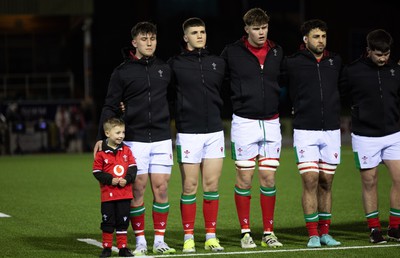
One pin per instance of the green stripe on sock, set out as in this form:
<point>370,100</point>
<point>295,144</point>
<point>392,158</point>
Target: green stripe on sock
<point>311,217</point>
<point>188,199</point>
<point>242,192</point>
<point>268,191</point>
<point>210,196</point>
<point>137,211</point>
<point>372,215</point>
<point>394,212</point>
<point>324,216</point>
<point>161,207</point>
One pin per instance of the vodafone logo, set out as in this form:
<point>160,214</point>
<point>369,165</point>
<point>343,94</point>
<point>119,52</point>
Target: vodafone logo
<point>119,170</point>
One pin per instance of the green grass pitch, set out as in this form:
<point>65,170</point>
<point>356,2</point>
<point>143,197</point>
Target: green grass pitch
<point>53,200</point>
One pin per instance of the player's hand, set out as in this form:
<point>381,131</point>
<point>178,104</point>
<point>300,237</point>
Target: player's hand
<point>97,147</point>
<point>115,181</point>
<point>122,107</point>
<point>122,182</point>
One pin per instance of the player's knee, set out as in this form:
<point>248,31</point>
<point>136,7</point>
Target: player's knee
<point>268,164</point>
<point>305,167</point>
<point>327,168</point>
<point>122,227</point>
<point>107,227</point>
<point>245,164</point>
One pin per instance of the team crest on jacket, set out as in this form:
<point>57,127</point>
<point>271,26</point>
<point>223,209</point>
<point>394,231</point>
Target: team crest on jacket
<point>118,170</point>
<point>214,65</point>
<point>392,72</point>
<point>160,72</point>
<point>330,61</point>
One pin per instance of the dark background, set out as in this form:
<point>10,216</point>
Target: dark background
<point>46,63</point>
<point>348,24</point>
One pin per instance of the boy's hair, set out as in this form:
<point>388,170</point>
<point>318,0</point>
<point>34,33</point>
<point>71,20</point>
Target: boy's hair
<point>255,16</point>
<point>379,40</point>
<point>112,122</point>
<point>192,22</point>
<point>309,25</point>
<point>143,28</point>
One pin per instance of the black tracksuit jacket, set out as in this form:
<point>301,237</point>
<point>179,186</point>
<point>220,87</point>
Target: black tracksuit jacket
<point>197,81</point>
<point>254,90</point>
<point>142,85</point>
<point>314,89</point>
<point>375,97</point>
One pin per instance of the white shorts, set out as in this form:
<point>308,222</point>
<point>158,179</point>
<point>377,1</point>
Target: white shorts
<point>193,148</point>
<point>153,157</point>
<point>313,145</point>
<point>250,138</point>
<point>370,151</point>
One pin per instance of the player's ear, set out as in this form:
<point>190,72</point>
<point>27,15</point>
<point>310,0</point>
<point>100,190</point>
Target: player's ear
<point>246,29</point>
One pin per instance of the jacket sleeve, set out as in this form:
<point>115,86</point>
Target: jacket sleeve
<point>131,174</point>
<point>103,177</point>
<point>344,89</point>
<point>171,90</point>
<point>283,77</point>
<point>224,55</point>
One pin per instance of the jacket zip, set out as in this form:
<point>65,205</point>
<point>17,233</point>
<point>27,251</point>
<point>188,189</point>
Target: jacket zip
<point>205,89</point>
<point>149,99</point>
<point>381,95</point>
<point>322,97</point>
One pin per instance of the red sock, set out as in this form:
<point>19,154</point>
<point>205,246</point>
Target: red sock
<point>374,223</point>
<point>107,239</point>
<point>188,214</point>
<point>323,226</point>
<point>210,213</point>
<point>394,222</point>
<point>312,228</point>
<point>243,209</point>
<point>137,220</point>
<point>268,208</point>
<point>121,240</point>
<point>160,217</point>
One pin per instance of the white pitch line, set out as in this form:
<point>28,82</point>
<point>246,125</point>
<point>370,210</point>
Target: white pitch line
<point>281,250</point>
<point>3,215</point>
<point>96,243</point>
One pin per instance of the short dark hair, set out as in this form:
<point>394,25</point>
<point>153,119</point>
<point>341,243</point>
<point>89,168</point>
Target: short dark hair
<point>143,27</point>
<point>379,40</point>
<point>192,22</point>
<point>255,16</point>
<point>309,25</point>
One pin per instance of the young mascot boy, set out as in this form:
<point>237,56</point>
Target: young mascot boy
<point>115,168</point>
